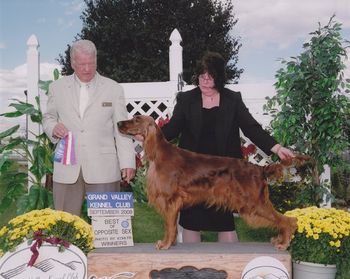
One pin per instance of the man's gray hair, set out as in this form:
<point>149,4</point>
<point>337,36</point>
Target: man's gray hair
<point>82,46</point>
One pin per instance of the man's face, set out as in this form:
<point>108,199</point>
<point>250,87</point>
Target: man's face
<point>84,66</point>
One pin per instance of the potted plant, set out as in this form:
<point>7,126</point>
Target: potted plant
<point>38,152</point>
<point>310,108</point>
<point>46,225</point>
<point>322,240</point>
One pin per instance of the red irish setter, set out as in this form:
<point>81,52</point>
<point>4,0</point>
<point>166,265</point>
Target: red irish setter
<point>179,178</point>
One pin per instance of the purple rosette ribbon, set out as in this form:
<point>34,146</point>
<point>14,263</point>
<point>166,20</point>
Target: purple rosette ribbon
<point>65,150</point>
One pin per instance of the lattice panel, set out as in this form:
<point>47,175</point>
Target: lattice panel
<point>161,108</point>
<point>259,157</point>
<point>154,108</point>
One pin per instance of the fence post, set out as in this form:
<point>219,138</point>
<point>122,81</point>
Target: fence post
<point>33,73</point>
<point>175,55</point>
<point>175,63</point>
<point>325,179</point>
<point>175,73</point>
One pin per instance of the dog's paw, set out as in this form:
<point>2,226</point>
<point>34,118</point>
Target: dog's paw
<point>275,240</point>
<point>161,245</point>
<point>279,244</point>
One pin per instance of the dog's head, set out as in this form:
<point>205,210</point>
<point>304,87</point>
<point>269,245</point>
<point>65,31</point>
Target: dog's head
<point>139,125</point>
<point>145,129</point>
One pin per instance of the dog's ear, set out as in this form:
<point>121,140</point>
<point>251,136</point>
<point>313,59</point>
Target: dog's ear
<point>150,143</point>
<point>152,129</point>
<point>149,127</point>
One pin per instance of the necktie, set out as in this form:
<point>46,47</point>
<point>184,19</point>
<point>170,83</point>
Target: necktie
<point>84,98</point>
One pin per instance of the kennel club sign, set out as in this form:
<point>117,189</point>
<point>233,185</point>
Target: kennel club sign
<point>110,214</point>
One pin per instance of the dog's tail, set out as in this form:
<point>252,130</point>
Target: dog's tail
<point>276,172</point>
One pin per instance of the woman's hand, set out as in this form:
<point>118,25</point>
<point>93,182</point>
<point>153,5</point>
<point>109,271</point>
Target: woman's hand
<point>282,152</point>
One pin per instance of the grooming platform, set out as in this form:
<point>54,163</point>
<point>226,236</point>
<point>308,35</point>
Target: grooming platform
<point>215,260</point>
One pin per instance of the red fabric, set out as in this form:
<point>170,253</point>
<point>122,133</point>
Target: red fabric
<point>162,121</point>
<point>38,239</point>
<point>248,150</point>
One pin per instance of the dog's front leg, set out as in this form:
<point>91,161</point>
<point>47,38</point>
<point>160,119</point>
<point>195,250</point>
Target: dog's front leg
<point>170,219</point>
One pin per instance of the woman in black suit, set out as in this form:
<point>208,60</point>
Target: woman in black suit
<point>207,120</point>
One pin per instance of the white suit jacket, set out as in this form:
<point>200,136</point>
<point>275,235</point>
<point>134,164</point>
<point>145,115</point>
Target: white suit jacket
<point>100,150</point>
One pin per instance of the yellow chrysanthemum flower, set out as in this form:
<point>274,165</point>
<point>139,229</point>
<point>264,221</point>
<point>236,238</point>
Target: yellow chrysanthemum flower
<point>320,229</point>
<point>53,223</point>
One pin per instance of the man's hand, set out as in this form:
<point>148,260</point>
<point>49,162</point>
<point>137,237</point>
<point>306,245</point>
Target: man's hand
<point>59,131</point>
<point>128,174</point>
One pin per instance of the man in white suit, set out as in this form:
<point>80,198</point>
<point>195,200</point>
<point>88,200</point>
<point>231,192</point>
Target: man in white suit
<point>89,106</point>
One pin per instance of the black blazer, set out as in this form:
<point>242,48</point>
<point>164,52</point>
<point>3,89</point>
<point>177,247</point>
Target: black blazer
<point>186,122</point>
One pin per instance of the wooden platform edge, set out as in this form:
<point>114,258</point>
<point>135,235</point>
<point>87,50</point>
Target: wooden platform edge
<point>140,260</point>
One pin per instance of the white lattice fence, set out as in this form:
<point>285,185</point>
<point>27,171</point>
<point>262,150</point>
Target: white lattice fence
<point>259,157</point>
<point>154,108</point>
<point>150,98</point>
<point>155,99</point>
<point>161,105</point>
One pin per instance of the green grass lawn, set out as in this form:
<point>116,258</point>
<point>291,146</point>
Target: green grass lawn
<point>147,225</point>
<point>148,228</point>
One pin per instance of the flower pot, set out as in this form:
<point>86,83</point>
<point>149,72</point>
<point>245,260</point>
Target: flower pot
<point>306,270</point>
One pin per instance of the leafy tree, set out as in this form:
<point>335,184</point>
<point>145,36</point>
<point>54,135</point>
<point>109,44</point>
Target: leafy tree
<point>310,110</point>
<point>132,37</point>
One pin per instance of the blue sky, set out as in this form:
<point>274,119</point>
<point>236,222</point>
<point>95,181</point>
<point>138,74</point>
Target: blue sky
<point>269,30</point>
<point>54,22</point>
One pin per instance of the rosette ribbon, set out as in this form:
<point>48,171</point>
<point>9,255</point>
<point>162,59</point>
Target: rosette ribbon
<point>65,150</point>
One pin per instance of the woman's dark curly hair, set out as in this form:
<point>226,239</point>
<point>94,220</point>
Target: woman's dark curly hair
<point>213,64</point>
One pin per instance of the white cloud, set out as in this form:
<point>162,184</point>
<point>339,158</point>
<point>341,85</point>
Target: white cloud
<point>12,85</point>
<point>73,7</point>
<point>63,23</point>
<point>70,17</point>
<point>46,70</point>
<point>17,78</point>
<point>282,22</point>
<point>2,45</point>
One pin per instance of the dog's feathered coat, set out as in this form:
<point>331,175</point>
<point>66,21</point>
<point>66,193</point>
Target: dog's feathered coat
<point>178,178</point>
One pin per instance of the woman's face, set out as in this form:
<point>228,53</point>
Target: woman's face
<point>206,82</point>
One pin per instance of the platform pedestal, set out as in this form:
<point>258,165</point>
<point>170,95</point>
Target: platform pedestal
<point>141,259</point>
